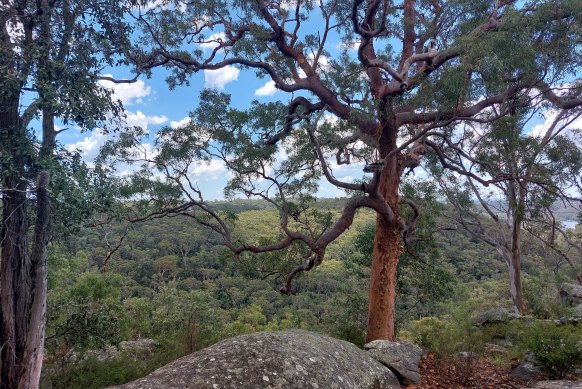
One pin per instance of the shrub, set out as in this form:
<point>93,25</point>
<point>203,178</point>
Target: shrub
<point>557,349</point>
<point>428,332</point>
<point>95,374</point>
<point>456,342</point>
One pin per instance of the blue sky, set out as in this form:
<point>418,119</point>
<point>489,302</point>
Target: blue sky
<point>150,104</point>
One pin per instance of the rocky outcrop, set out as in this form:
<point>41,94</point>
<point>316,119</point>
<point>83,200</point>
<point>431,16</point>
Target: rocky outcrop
<point>571,294</point>
<point>293,359</point>
<point>497,315</point>
<point>402,358</point>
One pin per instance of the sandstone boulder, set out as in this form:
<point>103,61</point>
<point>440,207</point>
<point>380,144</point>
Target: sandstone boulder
<point>497,315</point>
<point>292,359</point>
<point>571,294</point>
<point>526,370</point>
<point>402,358</point>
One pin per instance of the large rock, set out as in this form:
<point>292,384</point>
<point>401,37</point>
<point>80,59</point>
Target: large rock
<point>560,384</point>
<point>571,294</point>
<point>293,359</point>
<point>526,370</point>
<point>402,358</point>
<point>496,315</point>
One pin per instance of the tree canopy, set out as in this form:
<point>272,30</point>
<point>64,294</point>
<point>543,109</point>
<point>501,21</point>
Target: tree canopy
<point>420,68</point>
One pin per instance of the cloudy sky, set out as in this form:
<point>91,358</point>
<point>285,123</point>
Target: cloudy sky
<point>151,105</point>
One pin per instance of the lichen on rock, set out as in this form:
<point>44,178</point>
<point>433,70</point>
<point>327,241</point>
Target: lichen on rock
<point>292,359</point>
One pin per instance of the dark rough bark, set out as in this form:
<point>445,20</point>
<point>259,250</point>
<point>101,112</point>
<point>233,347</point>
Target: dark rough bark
<point>23,271</point>
<point>13,268</point>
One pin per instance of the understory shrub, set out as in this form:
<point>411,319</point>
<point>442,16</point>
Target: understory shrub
<point>456,342</point>
<point>557,349</point>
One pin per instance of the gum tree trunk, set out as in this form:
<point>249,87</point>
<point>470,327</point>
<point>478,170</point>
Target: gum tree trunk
<point>382,293</point>
<point>23,267</point>
<point>514,263</point>
<point>14,265</point>
<point>387,241</point>
<point>34,351</point>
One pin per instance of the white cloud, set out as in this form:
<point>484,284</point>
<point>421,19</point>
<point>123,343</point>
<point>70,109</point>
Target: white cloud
<point>268,89</point>
<point>539,130</point>
<point>146,5</point>
<point>128,93</point>
<point>213,41</point>
<point>220,77</point>
<point>157,119</point>
<point>181,123</point>
<point>322,62</point>
<point>89,146</point>
<point>288,5</point>
<point>211,170</point>
<point>15,31</point>
<point>140,119</point>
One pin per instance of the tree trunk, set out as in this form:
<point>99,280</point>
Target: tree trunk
<point>34,351</point>
<point>512,257</point>
<point>382,292</point>
<point>15,266</point>
<point>23,271</point>
<point>514,264</point>
<point>387,242</point>
<point>13,280</point>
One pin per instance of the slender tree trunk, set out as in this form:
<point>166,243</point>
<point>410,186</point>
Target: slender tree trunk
<point>387,243</point>
<point>514,263</point>
<point>34,351</point>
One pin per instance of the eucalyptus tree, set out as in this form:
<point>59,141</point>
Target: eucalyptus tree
<point>419,67</point>
<point>51,54</point>
<point>542,168</point>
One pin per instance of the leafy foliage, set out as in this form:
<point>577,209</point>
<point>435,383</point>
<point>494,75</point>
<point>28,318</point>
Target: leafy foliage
<point>556,348</point>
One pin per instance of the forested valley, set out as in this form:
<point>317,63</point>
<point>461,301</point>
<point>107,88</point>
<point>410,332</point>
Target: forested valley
<point>169,281</point>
